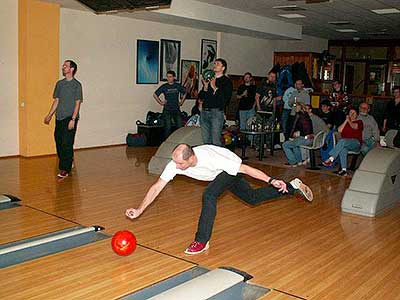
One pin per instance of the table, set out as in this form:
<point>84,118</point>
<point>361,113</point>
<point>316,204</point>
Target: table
<point>262,135</point>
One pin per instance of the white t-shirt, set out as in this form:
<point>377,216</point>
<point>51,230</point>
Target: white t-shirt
<point>211,161</point>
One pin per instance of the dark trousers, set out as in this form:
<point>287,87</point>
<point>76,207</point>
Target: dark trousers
<point>167,116</point>
<point>65,143</point>
<point>238,186</point>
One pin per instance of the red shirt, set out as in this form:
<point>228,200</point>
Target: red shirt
<point>349,133</point>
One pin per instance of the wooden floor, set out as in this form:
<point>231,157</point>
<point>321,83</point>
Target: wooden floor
<point>300,250</point>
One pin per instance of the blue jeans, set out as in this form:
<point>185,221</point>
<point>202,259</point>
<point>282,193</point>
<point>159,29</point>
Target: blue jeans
<point>342,148</point>
<point>239,187</point>
<point>367,146</point>
<point>244,115</point>
<point>212,121</point>
<point>167,116</point>
<point>293,151</point>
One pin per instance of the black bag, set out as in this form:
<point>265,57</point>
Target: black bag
<point>154,118</point>
<point>136,140</point>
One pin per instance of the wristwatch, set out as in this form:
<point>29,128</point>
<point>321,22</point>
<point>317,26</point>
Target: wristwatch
<point>270,180</point>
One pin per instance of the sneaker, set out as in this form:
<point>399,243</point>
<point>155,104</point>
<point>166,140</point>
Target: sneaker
<point>197,247</point>
<point>290,165</point>
<point>62,174</point>
<point>327,163</point>
<point>342,173</point>
<point>303,189</point>
<point>277,147</point>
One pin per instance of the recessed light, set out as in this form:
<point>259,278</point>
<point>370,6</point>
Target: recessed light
<point>288,7</point>
<point>385,11</point>
<point>292,16</point>
<point>377,33</point>
<point>346,30</point>
<point>340,23</point>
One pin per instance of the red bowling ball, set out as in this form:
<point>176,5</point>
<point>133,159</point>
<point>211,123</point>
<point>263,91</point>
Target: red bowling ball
<point>123,242</point>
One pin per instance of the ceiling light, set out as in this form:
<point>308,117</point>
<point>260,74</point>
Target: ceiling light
<point>340,23</point>
<point>385,11</point>
<point>346,30</point>
<point>292,16</point>
<point>288,7</point>
<point>377,33</point>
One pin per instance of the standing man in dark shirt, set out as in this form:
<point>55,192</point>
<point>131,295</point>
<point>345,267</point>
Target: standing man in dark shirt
<point>266,96</point>
<point>217,93</point>
<point>246,94</point>
<point>67,99</point>
<point>392,115</point>
<point>174,96</point>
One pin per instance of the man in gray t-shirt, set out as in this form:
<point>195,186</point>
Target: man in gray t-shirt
<point>67,101</point>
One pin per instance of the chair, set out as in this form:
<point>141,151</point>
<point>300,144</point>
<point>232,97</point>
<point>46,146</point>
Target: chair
<point>354,159</point>
<point>318,142</point>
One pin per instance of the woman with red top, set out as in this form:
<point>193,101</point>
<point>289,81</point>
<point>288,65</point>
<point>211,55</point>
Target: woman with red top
<point>351,132</point>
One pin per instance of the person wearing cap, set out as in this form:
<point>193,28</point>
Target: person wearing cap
<point>325,114</point>
<point>302,134</point>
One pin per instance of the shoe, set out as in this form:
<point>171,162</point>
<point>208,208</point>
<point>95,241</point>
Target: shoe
<point>327,163</point>
<point>290,165</point>
<point>277,147</point>
<point>342,173</point>
<point>197,247</point>
<point>62,174</point>
<point>305,162</point>
<point>303,189</point>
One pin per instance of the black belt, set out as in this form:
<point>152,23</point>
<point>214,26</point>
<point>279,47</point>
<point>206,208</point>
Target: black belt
<point>209,109</point>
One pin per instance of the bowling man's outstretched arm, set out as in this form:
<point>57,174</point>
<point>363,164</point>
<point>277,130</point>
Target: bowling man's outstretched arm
<point>151,195</point>
<point>260,175</point>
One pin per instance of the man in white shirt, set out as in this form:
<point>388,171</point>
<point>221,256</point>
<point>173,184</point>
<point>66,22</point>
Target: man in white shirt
<point>221,167</point>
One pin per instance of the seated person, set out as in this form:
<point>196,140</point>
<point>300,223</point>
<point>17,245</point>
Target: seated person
<point>370,135</point>
<point>196,109</point>
<point>351,132</point>
<point>194,119</point>
<point>325,114</point>
<point>302,134</point>
<point>318,125</point>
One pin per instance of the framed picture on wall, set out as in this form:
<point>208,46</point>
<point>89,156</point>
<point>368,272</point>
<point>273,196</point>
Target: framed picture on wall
<point>208,54</point>
<point>170,58</point>
<point>190,77</point>
<point>147,62</point>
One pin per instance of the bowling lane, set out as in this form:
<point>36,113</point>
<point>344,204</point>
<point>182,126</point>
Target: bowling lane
<point>92,271</point>
<point>23,222</point>
<point>275,295</point>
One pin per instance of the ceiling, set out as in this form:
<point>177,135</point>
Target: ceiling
<point>368,24</point>
<point>358,12</point>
